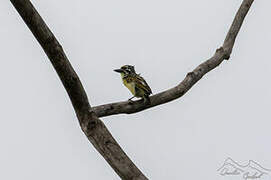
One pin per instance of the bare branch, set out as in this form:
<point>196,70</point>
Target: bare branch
<point>223,53</point>
<point>93,128</point>
<point>55,53</point>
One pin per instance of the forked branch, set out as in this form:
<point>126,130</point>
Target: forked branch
<point>93,127</point>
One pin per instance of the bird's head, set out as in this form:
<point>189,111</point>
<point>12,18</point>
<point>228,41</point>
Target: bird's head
<point>126,70</point>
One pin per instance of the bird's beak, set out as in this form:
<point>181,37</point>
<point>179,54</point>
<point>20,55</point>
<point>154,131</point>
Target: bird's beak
<point>119,70</point>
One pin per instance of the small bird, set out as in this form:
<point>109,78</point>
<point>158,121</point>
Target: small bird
<point>135,83</point>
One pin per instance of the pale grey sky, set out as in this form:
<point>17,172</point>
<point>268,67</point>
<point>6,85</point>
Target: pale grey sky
<point>226,114</point>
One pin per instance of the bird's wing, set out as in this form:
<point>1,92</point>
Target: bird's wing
<point>142,84</point>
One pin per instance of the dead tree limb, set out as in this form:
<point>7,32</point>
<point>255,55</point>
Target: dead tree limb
<point>222,53</point>
<point>93,127</point>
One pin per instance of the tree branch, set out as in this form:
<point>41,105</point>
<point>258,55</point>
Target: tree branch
<point>55,53</point>
<point>94,129</point>
<point>223,53</point>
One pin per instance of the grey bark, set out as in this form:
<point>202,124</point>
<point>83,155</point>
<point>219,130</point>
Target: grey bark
<point>92,126</point>
<point>222,53</point>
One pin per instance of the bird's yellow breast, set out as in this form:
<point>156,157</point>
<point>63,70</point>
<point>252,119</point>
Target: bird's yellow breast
<point>129,85</point>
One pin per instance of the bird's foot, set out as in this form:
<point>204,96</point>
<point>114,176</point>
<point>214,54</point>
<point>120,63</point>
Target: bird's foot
<point>131,98</point>
<point>146,100</point>
<point>130,101</point>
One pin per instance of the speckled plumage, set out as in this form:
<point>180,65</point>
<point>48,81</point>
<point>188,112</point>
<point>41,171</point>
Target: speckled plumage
<point>134,82</point>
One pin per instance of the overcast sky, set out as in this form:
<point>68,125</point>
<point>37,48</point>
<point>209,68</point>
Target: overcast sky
<point>226,114</point>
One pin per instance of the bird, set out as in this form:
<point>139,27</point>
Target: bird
<point>135,83</point>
